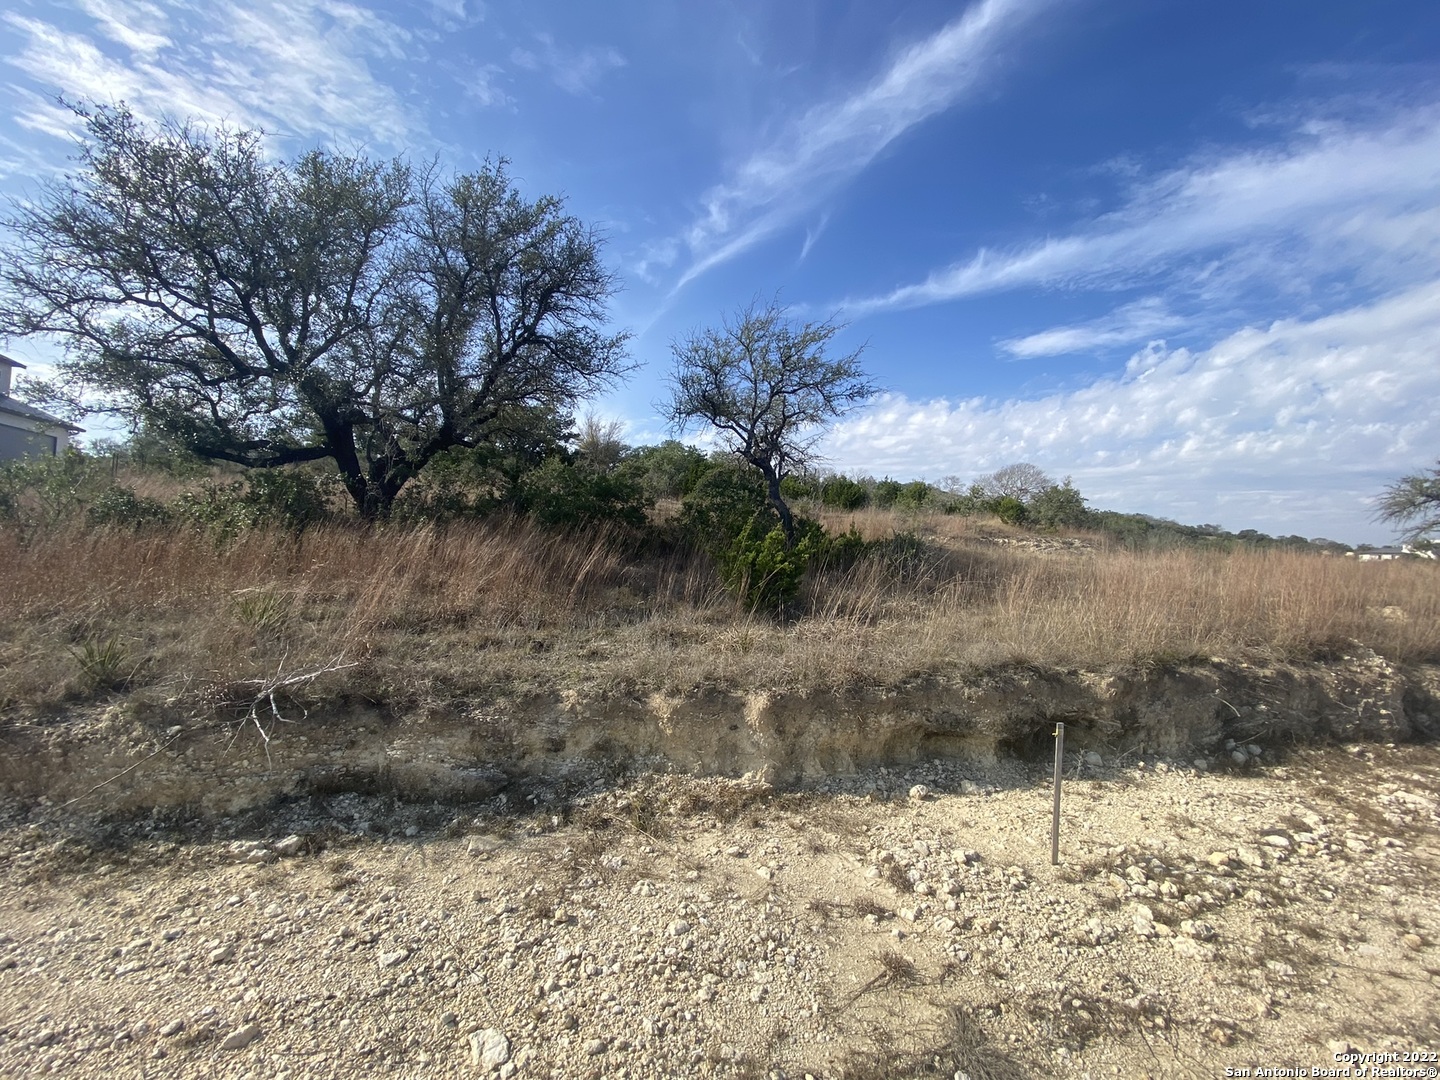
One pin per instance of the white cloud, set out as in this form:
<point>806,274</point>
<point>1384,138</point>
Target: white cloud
<point>576,71</point>
<point>132,25</point>
<point>834,141</point>
<point>1292,428</point>
<point>1361,200</point>
<point>298,67</point>
<point>1133,322</point>
<point>482,86</point>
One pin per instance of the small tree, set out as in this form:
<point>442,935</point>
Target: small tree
<point>1020,481</point>
<point>1413,502</point>
<point>1059,506</point>
<point>599,443</point>
<point>764,384</point>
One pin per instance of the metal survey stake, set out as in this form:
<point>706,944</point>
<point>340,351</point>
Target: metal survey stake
<point>1055,817</point>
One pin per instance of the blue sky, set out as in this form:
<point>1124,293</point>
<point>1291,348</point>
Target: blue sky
<point>1188,254</point>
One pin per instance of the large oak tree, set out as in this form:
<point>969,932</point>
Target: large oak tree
<point>269,312</point>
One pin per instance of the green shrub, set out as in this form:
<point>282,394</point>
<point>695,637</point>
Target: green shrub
<point>761,570</point>
<point>799,487</point>
<point>291,498</point>
<point>668,471</point>
<point>901,552</point>
<point>913,496</point>
<point>559,494</point>
<point>843,551</point>
<point>120,507</point>
<point>842,493</point>
<point>40,492</point>
<point>1059,506</point>
<point>1008,509</point>
<point>722,505</point>
<point>886,492</point>
<point>729,517</point>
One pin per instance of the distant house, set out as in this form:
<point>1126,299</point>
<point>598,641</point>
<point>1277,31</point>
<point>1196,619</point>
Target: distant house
<point>1388,554</point>
<point>26,431</point>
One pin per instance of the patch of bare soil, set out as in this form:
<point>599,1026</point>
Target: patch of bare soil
<point>1270,917</point>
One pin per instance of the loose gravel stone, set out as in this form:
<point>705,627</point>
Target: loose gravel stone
<point>597,950</point>
<point>489,1049</point>
<point>241,1037</point>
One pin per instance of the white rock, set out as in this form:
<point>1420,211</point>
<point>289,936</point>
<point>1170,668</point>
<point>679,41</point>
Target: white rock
<point>1192,949</point>
<point>595,1047</point>
<point>1093,759</point>
<point>1239,757</point>
<point>489,1049</point>
<point>391,959</point>
<point>291,845</point>
<point>241,1037</point>
<point>678,928</point>
<point>1275,840</point>
<point>919,793</point>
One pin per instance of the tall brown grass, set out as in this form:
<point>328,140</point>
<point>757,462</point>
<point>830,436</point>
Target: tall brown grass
<point>432,615</point>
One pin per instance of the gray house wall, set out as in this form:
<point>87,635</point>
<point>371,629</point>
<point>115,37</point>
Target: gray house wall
<point>22,442</point>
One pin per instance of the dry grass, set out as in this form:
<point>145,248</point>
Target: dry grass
<point>434,615</point>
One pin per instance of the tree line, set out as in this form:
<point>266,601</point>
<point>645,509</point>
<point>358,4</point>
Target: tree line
<point>418,342</point>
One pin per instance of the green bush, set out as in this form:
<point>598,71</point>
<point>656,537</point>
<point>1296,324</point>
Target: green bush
<point>1008,509</point>
<point>842,493</point>
<point>668,471</point>
<point>729,517</point>
<point>913,496</point>
<point>799,487</point>
<point>901,552</point>
<point>843,551</point>
<point>886,492</point>
<point>1059,506</point>
<point>559,494</point>
<point>41,492</point>
<point>291,498</point>
<point>722,505</point>
<point>761,570</point>
<point>120,507</point>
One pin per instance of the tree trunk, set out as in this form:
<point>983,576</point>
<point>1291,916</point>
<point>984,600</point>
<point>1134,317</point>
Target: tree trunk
<point>772,490</point>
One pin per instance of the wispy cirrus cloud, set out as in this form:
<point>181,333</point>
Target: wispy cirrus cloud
<point>576,71</point>
<point>1123,326</point>
<point>835,140</point>
<point>1335,198</point>
<point>136,26</point>
<point>301,67</point>
<point>1289,427</point>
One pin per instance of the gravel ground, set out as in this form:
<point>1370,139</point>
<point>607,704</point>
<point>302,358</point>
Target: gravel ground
<point>898,923</point>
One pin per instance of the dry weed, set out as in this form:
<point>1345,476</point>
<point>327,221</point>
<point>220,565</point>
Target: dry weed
<point>435,614</point>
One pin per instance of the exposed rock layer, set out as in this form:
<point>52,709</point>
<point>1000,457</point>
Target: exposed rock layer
<point>121,764</point>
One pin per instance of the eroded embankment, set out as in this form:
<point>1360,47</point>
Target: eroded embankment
<point>119,763</point>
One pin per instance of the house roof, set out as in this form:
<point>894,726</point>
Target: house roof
<point>29,412</point>
<point>18,408</point>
